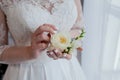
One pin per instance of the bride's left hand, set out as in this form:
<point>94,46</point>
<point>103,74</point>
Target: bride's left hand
<point>56,54</point>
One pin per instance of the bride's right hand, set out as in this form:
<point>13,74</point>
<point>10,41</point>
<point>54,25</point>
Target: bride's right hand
<point>41,38</point>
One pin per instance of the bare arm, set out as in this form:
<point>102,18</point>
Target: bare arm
<point>10,54</point>
<point>75,31</point>
<point>18,54</point>
<point>80,13</point>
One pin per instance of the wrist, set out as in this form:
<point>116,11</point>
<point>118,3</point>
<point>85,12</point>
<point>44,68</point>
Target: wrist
<point>32,53</point>
<point>74,33</point>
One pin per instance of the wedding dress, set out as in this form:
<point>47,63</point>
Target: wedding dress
<point>23,18</point>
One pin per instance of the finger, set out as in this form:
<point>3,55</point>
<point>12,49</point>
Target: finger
<point>43,37</point>
<point>67,56</point>
<point>52,55</point>
<point>58,53</point>
<point>42,46</point>
<point>53,26</point>
<point>49,53</point>
<point>80,49</point>
<point>48,29</point>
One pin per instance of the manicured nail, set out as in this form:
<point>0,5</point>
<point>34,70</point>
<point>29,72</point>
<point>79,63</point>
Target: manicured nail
<point>54,31</point>
<point>56,51</point>
<point>51,53</point>
<point>46,33</point>
<point>65,55</point>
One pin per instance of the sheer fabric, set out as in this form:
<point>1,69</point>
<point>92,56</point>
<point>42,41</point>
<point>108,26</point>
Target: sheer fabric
<point>2,39</point>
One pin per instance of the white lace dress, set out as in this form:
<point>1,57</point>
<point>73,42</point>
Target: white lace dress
<point>23,18</point>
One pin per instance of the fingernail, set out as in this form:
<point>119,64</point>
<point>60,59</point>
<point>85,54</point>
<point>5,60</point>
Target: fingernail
<point>51,53</point>
<point>46,33</point>
<point>65,55</point>
<point>54,31</point>
<point>56,51</point>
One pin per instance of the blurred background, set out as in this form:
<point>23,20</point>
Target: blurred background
<point>101,54</point>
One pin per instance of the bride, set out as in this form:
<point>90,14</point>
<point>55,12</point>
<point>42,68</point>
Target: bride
<point>31,24</point>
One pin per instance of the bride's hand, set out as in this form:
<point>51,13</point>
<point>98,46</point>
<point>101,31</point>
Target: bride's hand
<point>56,54</point>
<point>41,38</point>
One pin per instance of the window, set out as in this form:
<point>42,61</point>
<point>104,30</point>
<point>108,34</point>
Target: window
<point>111,52</point>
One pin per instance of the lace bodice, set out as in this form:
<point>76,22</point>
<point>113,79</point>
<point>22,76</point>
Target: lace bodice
<point>24,16</point>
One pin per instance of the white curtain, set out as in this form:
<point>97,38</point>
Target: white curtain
<point>101,55</point>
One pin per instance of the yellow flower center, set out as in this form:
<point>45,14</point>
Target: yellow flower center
<point>63,40</point>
